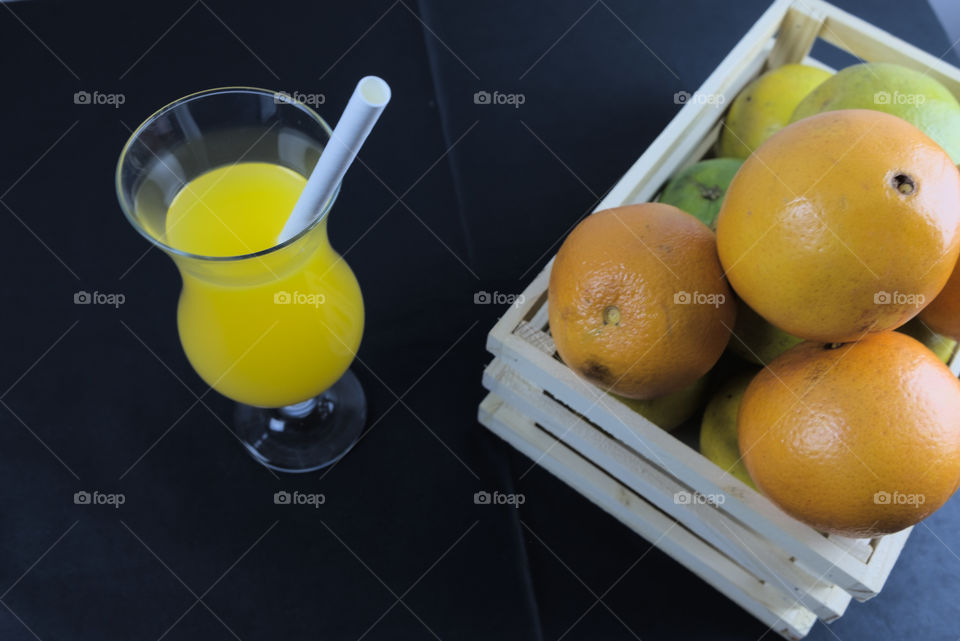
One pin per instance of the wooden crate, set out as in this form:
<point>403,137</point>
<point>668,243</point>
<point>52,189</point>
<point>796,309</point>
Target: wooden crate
<point>781,571</point>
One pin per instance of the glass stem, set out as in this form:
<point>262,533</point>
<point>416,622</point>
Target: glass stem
<point>299,410</point>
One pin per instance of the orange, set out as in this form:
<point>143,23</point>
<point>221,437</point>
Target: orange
<point>840,224</point>
<point>943,314</point>
<point>637,300</point>
<point>860,439</point>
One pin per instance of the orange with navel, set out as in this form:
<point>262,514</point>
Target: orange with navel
<point>637,300</point>
<point>859,439</point>
<point>840,224</point>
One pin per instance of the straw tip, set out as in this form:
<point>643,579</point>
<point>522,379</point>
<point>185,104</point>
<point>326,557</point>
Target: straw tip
<point>374,90</point>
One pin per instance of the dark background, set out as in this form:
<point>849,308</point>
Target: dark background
<point>458,198</point>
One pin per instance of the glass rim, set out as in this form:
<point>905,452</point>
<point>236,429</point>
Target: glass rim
<point>128,207</point>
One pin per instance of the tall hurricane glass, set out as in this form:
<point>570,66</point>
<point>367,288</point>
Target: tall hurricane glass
<point>210,179</point>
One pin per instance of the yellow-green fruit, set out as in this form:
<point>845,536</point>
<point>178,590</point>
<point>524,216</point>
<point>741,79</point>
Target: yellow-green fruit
<point>756,340</point>
<point>939,344</point>
<point>765,106</point>
<point>718,432</point>
<point>699,188</point>
<point>914,96</point>
<point>669,411</point>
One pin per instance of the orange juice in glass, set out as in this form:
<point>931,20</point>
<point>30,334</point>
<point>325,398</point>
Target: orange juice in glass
<point>211,179</point>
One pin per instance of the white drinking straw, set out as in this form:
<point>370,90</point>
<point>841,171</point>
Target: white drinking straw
<point>364,108</point>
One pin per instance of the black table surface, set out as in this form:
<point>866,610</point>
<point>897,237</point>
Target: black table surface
<point>455,198</point>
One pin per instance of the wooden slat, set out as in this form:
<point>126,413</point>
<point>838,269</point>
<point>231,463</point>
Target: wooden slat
<point>884,557</point>
<point>796,37</point>
<point>771,606</point>
<point>539,339</point>
<point>515,313</point>
<point>861,549</point>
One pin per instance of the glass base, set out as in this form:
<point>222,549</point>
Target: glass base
<point>307,436</point>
